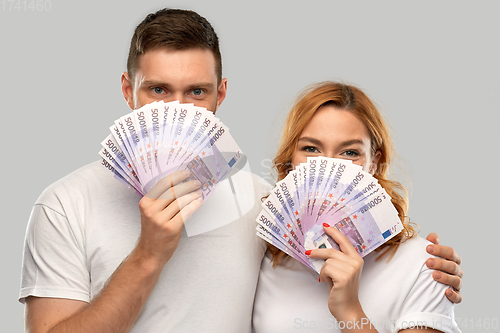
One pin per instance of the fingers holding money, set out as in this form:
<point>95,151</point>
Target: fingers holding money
<point>166,183</point>
<point>167,190</point>
<point>342,271</point>
<point>179,210</point>
<point>163,212</point>
<point>346,248</point>
<point>167,198</point>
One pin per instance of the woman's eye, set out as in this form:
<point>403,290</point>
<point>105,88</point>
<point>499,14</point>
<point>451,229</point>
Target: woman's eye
<point>350,153</point>
<point>158,90</point>
<point>310,149</point>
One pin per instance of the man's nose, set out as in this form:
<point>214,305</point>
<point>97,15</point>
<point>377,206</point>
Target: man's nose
<point>176,97</point>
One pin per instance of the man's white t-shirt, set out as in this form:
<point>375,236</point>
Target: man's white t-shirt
<point>84,225</point>
<point>394,295</point>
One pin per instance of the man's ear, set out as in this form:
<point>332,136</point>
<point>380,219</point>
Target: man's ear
<point>127,90</point>
<point>376,158</point>
<point>221,92</point>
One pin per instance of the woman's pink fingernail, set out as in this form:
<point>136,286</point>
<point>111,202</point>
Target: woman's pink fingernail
<point>326,225</point>
<point>308,252</point>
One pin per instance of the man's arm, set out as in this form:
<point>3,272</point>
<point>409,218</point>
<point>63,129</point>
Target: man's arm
<point>114,310</point>
<point>448,270</point>
<point>164,210</point>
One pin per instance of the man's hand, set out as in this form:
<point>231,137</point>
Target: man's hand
<point>164,209</point>
<point>450,264</point>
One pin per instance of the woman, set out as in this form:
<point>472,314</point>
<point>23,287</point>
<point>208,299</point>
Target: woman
<point>391,289</point>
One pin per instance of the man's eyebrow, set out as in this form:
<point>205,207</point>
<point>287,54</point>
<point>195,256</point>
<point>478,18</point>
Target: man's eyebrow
<point>150,83</point>
<point>154,83</point>
<point>205,85</point>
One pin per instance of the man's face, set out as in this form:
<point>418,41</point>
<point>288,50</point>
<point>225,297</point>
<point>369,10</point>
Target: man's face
<point>169,75</point>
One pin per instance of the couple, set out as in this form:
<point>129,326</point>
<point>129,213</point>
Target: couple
<point>98,258</point>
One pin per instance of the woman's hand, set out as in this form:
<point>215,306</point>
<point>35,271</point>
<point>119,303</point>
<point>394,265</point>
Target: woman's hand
<point>342,271</point>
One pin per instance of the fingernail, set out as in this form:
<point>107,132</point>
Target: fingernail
<point>430,249</point>
<point>308,252</point>
<point>319,280</point>
<point>186,172</point>
<point>449,292</point>
<point>430,263</point>
<point>326,225</point>
<point>437,275</point>
<point>196,182</point>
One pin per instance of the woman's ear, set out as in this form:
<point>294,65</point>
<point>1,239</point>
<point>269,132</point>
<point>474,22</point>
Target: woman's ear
<point>375,159</point>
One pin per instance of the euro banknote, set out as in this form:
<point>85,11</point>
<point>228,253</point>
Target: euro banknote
<point>160,138</point>
<point>333,191</point>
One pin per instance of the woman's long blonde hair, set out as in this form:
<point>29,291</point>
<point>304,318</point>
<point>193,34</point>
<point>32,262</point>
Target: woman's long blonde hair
<point>349,98</point>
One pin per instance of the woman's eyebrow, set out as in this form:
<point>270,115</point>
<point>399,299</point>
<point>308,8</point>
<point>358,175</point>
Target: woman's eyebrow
<point>343,144</point>
<point>311,140</point>
<point>351,142</point>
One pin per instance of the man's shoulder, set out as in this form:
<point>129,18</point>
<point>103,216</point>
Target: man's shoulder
<point>84,174</point>
<point>247,179</point>
<point>88,179</point>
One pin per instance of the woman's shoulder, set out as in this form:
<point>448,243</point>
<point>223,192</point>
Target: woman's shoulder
<point>409,286</point>
<point>407,262</point>
<point>414,247</point>
<point>403,279</point>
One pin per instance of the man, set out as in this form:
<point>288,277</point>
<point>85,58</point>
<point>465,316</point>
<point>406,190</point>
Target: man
<point>90,266</point>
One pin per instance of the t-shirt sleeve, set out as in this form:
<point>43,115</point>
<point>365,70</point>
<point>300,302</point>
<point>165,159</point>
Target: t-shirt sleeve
<point>427,305</point>
<point>54,263</point>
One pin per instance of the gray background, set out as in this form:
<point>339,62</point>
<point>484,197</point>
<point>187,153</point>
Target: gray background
<point>432,66</point>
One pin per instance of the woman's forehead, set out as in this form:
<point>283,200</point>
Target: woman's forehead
<point>331,123</point>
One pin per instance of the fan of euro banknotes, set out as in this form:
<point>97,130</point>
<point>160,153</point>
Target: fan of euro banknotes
<point>332,191</point>
<point>160,138</point>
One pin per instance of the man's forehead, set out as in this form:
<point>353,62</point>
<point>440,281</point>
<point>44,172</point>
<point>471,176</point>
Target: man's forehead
<point>189,65</point>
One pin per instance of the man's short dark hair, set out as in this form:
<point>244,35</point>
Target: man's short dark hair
<point>175,29</point>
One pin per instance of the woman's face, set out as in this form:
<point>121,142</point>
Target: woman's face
<point>333,132</point>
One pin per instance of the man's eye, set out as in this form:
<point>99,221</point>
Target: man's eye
<point>158,90</point>
<point>197,92</point>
